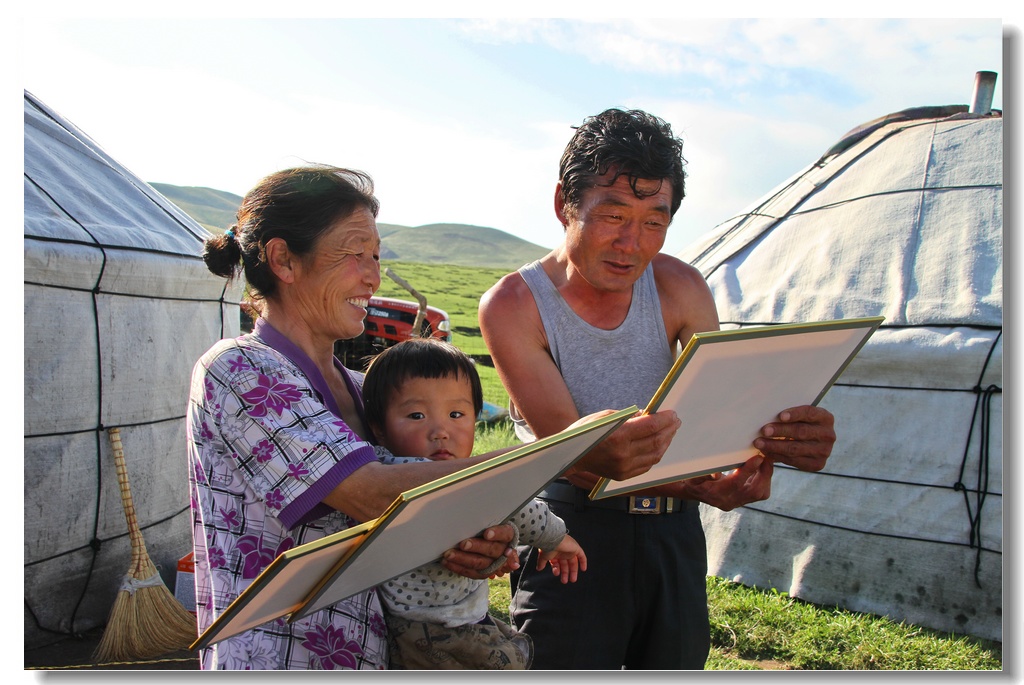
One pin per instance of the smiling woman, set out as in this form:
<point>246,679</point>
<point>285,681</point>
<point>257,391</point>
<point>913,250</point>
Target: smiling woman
<point>279,452</point>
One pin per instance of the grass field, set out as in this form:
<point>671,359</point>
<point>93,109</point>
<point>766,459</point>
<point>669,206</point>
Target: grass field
<point>753,629</point>
<point>456,290</point>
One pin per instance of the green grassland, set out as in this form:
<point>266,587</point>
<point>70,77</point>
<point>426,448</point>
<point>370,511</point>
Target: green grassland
<point>456,290</point>
<point>766,630</point>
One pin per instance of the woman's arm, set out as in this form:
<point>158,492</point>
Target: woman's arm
<point>370,490</point>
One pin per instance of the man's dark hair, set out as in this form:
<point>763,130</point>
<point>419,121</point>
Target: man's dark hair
<point>415,358</point>
<point>630,142</point>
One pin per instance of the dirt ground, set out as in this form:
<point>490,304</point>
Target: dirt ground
<point>75,653</point>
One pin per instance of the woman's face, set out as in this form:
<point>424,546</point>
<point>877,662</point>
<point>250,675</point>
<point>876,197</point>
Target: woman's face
<point>615,234</point>
<point>334,283</point>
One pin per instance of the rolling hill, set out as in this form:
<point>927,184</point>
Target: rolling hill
<point>213,209</point>
<point>456,244</point>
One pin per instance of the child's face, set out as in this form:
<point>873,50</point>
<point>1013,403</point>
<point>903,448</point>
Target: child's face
<point>432,418</point>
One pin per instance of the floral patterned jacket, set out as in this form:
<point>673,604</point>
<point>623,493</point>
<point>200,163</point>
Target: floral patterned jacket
<point>266,443</point>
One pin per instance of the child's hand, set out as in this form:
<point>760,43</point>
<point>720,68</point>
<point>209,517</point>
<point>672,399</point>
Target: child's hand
<point>566,560</point>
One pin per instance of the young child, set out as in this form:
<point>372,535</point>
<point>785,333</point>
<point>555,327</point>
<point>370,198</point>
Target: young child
<point>422,397</point>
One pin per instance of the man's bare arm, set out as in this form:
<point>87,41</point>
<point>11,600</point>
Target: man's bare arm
<point>515,337</point>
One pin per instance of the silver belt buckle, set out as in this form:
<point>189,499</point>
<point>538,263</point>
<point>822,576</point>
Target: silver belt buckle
<point>644,505</point>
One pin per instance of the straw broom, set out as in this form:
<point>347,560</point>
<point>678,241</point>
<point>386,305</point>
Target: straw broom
<point>146,620</point>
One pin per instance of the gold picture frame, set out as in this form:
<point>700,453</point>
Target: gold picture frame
<point>726,385</point>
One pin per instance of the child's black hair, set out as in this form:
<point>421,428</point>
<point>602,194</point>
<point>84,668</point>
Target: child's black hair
<point>415,358</point>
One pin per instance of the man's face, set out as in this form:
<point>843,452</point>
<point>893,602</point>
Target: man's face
<point>614,234</point>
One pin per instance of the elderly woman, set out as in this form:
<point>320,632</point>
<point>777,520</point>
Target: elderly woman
<point>278,448</point>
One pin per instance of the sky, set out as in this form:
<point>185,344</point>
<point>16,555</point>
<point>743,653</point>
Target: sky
<point>464,120</point>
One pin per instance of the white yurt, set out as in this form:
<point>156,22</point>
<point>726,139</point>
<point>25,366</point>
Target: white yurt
<point>901,218</point>
<point>118,307</point>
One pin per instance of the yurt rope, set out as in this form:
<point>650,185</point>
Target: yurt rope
<point>223,323</point>
<point>95,542</point>
<point>743,219</point>
<point>118,248</point>
<point>113,166</point>
<point>98,543</point>
<point>851,529</point>
<point>982,419</point>
<point>983,401</point>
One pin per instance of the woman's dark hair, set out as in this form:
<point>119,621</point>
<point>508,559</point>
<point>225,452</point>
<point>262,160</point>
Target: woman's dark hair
<point>415,358</point>
<point>633,143</point>
<point>298,205</point>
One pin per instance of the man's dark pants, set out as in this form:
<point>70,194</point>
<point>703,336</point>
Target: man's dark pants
<point>641,604</point>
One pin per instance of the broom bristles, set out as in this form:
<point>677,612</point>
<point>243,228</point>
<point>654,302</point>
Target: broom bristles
<point>144,624</point>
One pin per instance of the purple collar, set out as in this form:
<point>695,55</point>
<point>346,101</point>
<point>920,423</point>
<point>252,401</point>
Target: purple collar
<point>271,336</point>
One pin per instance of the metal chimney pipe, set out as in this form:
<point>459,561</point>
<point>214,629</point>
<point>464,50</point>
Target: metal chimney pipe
<point>984,89</point>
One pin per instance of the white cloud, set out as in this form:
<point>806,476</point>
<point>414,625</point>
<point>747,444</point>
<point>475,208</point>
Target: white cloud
<point>501,31</point>
<point>744,53</point>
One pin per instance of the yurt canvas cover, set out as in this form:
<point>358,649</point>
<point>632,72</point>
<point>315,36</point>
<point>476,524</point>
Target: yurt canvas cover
<point>118,307</point>
<point>902,218</point>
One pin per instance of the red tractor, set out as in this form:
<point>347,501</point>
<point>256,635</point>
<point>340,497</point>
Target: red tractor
<point>388,321</point>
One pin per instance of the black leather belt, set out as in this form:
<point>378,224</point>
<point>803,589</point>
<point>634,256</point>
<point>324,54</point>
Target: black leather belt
<point>632,504</point>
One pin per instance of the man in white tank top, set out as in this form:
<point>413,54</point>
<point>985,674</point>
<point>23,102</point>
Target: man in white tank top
<point>563,333</point>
